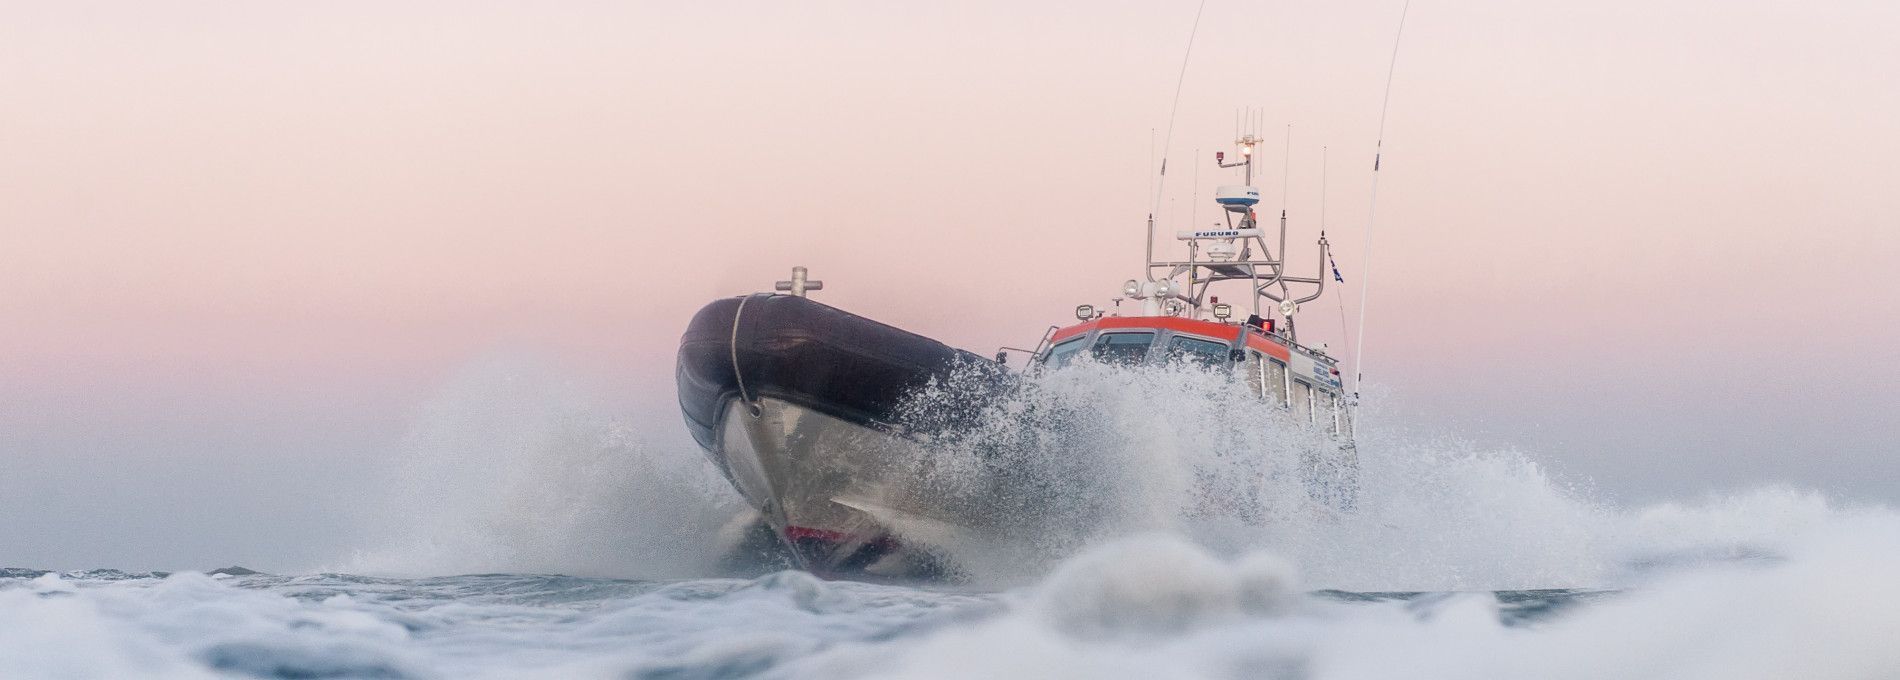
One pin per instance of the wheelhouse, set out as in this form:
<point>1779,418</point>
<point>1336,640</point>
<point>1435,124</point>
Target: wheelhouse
<point>1176,316</point>
<point>1280,372</point>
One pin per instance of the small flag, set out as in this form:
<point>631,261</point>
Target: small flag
<point>1335,265</point>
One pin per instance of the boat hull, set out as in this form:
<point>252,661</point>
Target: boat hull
<point>812,414</point>
<point>802,407</point>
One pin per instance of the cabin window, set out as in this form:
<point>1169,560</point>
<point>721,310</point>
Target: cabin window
<point>1122,348</point>
<point>1276,382</point>
<point>1302,400</point>
<point>1184,349</point>
<point>1059,355</point>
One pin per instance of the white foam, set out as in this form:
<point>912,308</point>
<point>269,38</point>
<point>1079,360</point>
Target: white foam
<point>1158,584</point>
<point>50,583</point>
<point>70,637</point>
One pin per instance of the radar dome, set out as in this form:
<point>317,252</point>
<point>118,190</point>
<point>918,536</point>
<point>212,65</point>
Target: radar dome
<point>1237,198</point>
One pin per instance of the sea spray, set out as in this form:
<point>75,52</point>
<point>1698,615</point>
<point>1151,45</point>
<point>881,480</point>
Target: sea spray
<point>513,467</point>
<point>1078,456</point>
<point>1092,452</point>
<point>1072,457</point>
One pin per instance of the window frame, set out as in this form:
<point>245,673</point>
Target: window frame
<point>1169,353</point>
<point>1101,340</point>
<point>1282,383</point>
<point>1301,399</point>
<point>1324,399</point>
<point>1052,359</point>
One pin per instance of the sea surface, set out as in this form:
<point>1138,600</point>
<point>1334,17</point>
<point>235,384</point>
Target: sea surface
<point>525,536</point>
<point>787,624</point>
<point>1144,606</point>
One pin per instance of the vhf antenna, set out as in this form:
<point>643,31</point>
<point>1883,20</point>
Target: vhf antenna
<point>1162,180</point>
<point>1372,211</point>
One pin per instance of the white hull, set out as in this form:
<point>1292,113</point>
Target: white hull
<point>832,490</point>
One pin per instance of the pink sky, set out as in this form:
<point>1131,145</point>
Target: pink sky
<point>335,205</point>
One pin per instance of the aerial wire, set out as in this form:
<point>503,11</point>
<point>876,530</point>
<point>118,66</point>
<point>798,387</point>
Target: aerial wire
<point>1372,211</point>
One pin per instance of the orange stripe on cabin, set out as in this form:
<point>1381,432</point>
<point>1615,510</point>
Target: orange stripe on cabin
<point>1212,329</point>
<point>1270,348</point>
<point>1173,323</point>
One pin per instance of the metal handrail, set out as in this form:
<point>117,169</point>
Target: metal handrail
<point>1035,355</point>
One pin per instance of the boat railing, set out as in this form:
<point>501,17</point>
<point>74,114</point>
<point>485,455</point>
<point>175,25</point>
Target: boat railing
<point>1315,355</point>
<point>1042,345</point>
<point>1035,355</point>
<point>1308,352</point>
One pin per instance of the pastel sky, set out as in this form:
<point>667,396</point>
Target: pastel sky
<point>1651,243</point>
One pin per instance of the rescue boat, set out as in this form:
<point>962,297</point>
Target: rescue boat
<point>800,404</point>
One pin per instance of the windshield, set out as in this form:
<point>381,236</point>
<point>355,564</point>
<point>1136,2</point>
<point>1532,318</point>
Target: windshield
<point>1060,354</point>
<point>1195,350</point>
<point>1122,348</point>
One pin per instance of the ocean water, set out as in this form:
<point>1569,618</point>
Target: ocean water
<point>528,533</point>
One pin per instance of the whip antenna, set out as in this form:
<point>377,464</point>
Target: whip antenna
<point>1168,140</point>
<point>1372,211</point>
<point>1286,169</point>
